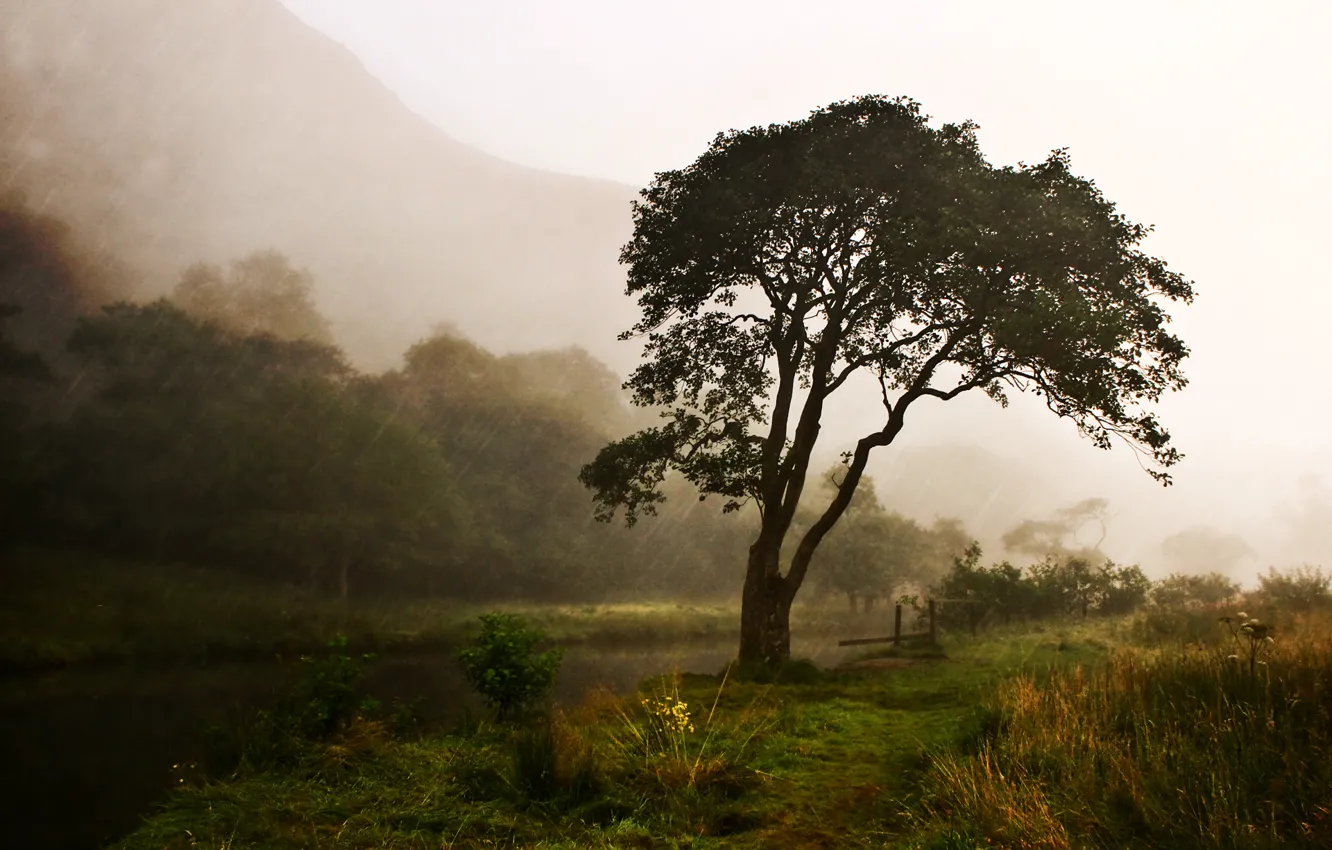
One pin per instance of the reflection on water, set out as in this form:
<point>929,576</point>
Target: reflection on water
<point>85,753</point>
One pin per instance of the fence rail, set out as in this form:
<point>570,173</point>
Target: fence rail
<point>932,635</point>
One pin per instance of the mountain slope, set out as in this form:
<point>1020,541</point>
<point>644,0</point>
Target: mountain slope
<point>174,132</point>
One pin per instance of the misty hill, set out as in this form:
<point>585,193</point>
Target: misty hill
<point>163,133</point>
<point>168,133</point>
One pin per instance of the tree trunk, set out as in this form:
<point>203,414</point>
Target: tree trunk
<point>853,602</point>
<point>765,609</point>
<point>869,602</point>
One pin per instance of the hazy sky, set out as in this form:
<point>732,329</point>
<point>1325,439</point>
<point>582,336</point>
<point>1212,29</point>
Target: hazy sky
<point>1206,119</point>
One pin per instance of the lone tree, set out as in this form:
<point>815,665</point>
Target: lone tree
<point>1058,536</point>
<point>789,258</point>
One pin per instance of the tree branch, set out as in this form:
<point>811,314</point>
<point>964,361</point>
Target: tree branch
<point>880,353</point>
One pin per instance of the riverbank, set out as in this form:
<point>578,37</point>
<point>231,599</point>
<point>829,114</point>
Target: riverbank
<point>1070,735</point>
<point>87,751</point>
<point>62,609</point>
<point>818,758</point>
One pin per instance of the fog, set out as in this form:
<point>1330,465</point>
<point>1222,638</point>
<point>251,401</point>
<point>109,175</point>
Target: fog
<point>474,164</point>
<point>1201,119</point>
<point>308,327</point>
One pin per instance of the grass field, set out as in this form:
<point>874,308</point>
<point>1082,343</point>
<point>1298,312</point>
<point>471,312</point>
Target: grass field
<point>1113,734</point>
<point>825,759</point>
<point>1164,729</point>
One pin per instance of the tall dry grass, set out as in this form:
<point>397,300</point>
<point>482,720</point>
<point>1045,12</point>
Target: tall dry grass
<point>1178,747</point>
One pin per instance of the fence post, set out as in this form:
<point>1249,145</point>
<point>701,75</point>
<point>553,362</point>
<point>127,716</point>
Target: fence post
<point>897,625</point>
<point>932,631</point>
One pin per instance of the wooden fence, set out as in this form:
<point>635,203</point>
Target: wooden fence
<point>932,635</point>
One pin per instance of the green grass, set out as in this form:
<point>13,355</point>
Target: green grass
<point>1129,733</point>
<point>832,761</point>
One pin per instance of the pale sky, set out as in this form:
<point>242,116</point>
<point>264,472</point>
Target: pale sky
<point>1209,120</point>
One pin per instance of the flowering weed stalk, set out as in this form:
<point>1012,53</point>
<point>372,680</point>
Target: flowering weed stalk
<point>662,738</point>
<point>1252,636</point>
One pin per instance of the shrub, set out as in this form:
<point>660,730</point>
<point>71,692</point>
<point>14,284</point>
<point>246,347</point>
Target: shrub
<point>1126,589</point>
<point>324,704</point>
<point>1178,589</point>
<point>502,664</point>
<point>1050,588</point>
<point>1300,589</point>
<point>327,695</point>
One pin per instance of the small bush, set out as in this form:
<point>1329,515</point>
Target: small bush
<point>324,707</point>
<point>327,696</point>
<point>1300,589</point>
<point>1178,589</point>
<point>502,664</point>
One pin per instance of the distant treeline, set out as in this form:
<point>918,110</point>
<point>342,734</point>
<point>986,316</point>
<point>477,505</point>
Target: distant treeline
<point>221,426</point>
<point>1074,585</point>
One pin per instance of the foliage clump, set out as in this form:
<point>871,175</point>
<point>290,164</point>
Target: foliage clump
<point>503,664</point>
<point>1178,589</point>
<point>319,720</point>
<point>1053,587</point>
<point>1301,589</point>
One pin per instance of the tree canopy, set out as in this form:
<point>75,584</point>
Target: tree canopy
<point>786,259</point>
<point>261,293</point>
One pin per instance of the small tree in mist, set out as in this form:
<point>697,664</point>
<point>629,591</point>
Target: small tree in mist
<point>503,665</point>
<point>1060,536</point>
<point>789,260</point>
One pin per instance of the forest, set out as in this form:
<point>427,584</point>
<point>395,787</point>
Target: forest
<point>221,427</point>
